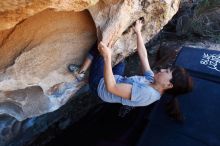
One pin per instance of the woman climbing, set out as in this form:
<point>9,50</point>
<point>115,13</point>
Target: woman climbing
<point>111,86</point>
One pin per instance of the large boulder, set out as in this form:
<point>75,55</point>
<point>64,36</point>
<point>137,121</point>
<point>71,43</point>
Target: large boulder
<point>13,12</point>
<point>38,39</point>
<point>34,56</point>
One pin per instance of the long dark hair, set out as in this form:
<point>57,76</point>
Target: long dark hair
<point>182,83</point>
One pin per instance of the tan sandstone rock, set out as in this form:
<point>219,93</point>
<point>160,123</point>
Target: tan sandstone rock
<point>34,56</point>
<point>35,52</point>
<point>15,11</point>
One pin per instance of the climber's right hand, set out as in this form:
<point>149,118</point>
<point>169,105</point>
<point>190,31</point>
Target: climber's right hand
<point>104,50</point>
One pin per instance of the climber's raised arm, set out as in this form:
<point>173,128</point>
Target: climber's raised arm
<point>121,89</point>
<point>142,52</point>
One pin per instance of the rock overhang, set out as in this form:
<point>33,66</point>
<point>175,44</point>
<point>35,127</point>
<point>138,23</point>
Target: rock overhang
<point>41,40</point>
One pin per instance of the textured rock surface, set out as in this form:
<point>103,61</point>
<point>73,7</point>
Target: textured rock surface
<point>20,133</point>
<point>114,20</point>
<point>35,52</point>
<point>201,19</point>
<point>34,56</point>
<point>14,11</point>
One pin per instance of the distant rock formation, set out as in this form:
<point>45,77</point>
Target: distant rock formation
<point>39,38</point>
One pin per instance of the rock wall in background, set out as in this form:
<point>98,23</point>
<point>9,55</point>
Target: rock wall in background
<point>38,39</point>
<point>199,18</point>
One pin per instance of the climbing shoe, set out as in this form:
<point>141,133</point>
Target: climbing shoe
<point>73,68</point>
